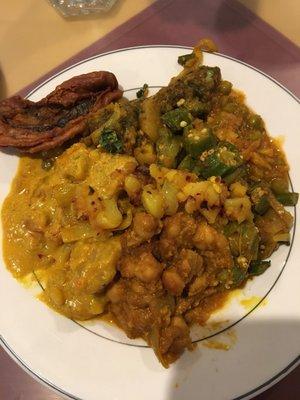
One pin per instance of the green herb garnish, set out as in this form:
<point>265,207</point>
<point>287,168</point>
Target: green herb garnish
<point>111,141</point>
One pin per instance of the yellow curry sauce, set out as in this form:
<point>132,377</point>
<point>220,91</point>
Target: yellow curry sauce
<point>42,231</point>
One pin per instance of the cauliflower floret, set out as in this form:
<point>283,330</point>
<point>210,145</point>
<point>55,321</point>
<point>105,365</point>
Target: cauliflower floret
<point>237,190</point>
<point>108,172</point>
<point>74,163</point>
<point>238,209</point>
<point>178,178</point>
<point>209,191</point>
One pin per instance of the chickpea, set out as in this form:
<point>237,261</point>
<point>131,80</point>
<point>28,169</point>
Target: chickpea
<point>116,293</point>
<point>199,284</point>
<point>167,248</point>
<point>144,225</point>
<point>148,268</point>
<point>173,282</point>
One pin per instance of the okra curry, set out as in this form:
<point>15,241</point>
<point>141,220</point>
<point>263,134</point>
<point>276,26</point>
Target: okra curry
<point>160,209</point>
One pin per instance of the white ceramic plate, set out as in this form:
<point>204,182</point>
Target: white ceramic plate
<point>94,361</point>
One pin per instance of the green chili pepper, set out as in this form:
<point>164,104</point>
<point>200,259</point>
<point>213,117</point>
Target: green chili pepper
<point>243,239</point>
<point>288,199</point>
<point>238,276</point>
<point>260,199</point>
<point>230,228</point>
<point>196,141</point>
<point>188,163</point>
<point>262,206</point>
<point>249,240</point>
<point>177,119</point>
<point>198,169</point>
<point>258,267</point>
<point>168,147</point>
<point>197,108</point>
<point>279,186</point>
<point>236,175</point>
<point>223,160</point>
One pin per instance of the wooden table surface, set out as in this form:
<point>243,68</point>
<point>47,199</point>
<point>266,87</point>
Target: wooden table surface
<point>34,37</point>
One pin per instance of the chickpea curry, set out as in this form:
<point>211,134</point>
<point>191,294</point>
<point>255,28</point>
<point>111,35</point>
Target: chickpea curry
<point>162,207</point>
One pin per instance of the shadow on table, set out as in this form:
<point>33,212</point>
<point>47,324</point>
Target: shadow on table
<point>236,30</point>
<point>229,21</point>
<point>223,366</point>
<point>16,384</point>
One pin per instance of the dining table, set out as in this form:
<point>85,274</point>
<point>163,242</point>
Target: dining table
<point>36,41</point>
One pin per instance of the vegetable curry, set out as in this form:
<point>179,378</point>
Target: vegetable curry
<point>168,203</point>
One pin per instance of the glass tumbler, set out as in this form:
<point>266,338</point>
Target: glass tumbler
<point>70,8</point>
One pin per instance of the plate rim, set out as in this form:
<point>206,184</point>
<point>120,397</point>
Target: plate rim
<point>99,55</point>
<point>248,395</point>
